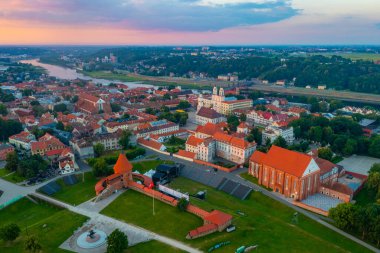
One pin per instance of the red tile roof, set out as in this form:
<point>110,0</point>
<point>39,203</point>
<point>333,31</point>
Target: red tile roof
<point>150,143</point>
<point>209,129</point>
<point>202,230</point>
<point>218,218</point>
<point>186,154</point>
<point>122,165</point>
<point>233,141</point>
<point>208,113</point>
<point>291,162</point>
<point>324,165</point>
<point>257,157</point>
<point>194,141</point>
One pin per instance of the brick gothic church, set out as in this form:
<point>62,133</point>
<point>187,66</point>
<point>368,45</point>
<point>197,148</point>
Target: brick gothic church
<point>293,174</point>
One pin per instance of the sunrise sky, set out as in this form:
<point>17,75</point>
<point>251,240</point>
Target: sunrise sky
<point>159,22</point>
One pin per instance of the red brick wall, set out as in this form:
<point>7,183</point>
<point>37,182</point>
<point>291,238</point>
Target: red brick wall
<point>338,195</point>
<point>311,208</point>
<point>217,166</point>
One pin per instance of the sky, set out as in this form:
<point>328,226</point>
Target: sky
<point>189,22</point>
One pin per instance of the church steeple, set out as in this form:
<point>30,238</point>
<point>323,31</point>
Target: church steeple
<point>221,92</point>
<point>215,91</point>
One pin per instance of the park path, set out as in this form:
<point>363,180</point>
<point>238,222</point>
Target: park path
<point>97,217</point>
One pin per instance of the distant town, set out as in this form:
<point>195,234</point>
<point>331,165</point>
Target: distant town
<point>174,148</point>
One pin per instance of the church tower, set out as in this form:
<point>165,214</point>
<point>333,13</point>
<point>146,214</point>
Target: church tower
<point>221,94</point>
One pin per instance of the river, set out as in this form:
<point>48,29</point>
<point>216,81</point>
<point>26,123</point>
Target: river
<point>71,74</point>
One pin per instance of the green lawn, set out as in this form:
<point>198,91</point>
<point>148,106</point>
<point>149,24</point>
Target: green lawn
<point>79,192</point>
<point>152,246</point>
<point>14,178</point>
<point>111,76</point>
<point>266,223</point>
<point>3,172</point>
<point>145,166</point>
<point>253,179</point>
<point>136,208</point>
<point>59,225</point>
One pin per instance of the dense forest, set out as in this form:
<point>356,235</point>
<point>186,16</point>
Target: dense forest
<point>334,71</point>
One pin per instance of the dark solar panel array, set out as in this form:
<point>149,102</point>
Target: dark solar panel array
<point>235,189</point>
<point>70,180</point>
<point>50,188</point>
<point>229,186</point>
<point>242,192</point>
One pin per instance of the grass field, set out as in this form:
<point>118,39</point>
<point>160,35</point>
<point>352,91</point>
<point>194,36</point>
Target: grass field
<point>145,166</point>
<point>152,80</point>
<point>13,178</point>
<point>3,172</point>
<point>252,179</point>
<point>152,246</point>
<point>79,192</point>
<point>111,76</point>
<point>136,208</point>
<point>266,222</point>
<point>60,224</point>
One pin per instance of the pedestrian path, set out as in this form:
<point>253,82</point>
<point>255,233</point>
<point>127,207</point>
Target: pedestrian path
<point>132,229</point>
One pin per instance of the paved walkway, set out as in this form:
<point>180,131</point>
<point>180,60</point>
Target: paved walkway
<point>97,217</point>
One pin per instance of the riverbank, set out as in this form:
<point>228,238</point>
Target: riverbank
<point>65,73</point>
<point>156,81</point>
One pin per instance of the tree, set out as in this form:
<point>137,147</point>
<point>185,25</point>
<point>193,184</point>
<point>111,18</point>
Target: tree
<point>374,147</point>
<point>233,122</point>
<point>280,142</point>
<point>373,180</point>
<point>115,107</point>
<point>60,108</point>
<point>343,215</point>
<point>74,99</point>
<point>182,204</point>
<point>125,139</point>
<point>27,92</point>
<point>32,244</point>
<point>375,231</point>
<point>164,109</point>
<point>60,126</point>
<point>117,242</point>
<point>350,147</point>
<point>325,153</point>
<point>99,149</point>
<point>3,110</point>
<point>9,128</point>
<point>339,142</point>
<point>243,117</point>
<point>315,133</point>
<point>12,162</point>
<point>32,166</point>
<point>34,102</point>
<point>184,104</point>
<point>166,96</point>
<point>100,168</point>
<point>10,232</point>
<point>38,110</point>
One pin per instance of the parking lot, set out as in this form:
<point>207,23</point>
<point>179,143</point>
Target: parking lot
<point>359,164</point>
